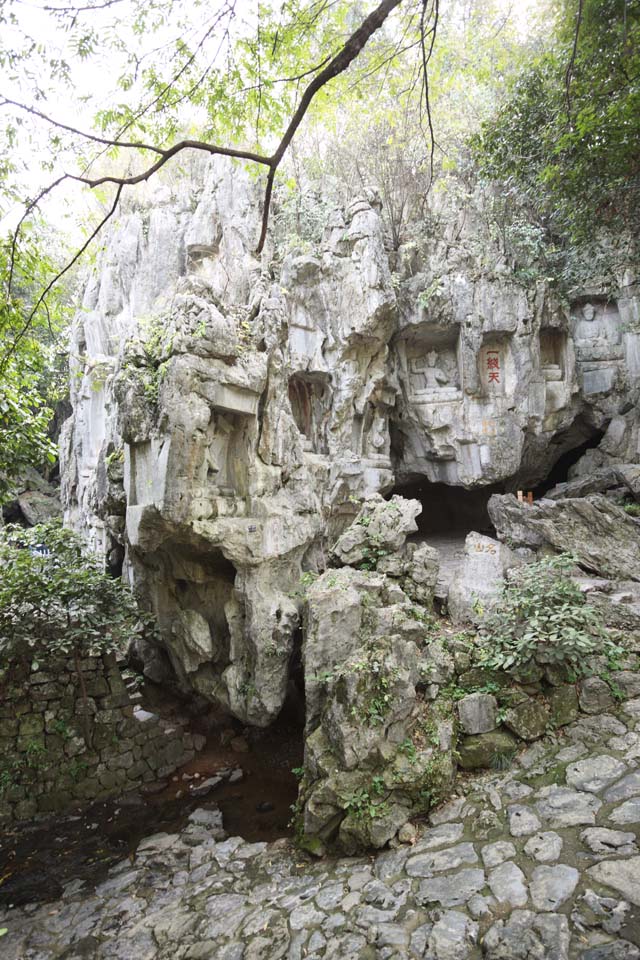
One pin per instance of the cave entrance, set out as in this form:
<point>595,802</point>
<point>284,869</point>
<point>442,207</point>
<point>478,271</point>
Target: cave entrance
<point>449,511</point>
<point>448,514</point>
<point>560,472</point>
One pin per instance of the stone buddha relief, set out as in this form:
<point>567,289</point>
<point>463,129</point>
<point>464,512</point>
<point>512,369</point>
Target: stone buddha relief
<point>431,376</point>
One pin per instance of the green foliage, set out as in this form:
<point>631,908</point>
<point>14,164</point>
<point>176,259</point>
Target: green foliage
<point>633,509</point>
<point>62,603</point>
<point>32,364</point>
<point>542,616</point>
<point>570,150</point>
<point>378,683</point>
<point>363,806</point>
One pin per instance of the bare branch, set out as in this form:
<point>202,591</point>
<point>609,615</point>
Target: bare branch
<point>78,133</point>
<point>166,155</point>
<point>43,296</point>
<point>336,65</point>
<point>426,57</point>
<point>571,64</point>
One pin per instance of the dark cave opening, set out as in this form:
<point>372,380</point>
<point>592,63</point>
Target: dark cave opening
<point>559,472</point>
<point>449,510</point>
<point>294,707</point>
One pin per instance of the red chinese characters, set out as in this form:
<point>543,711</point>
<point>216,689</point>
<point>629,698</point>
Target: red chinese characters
<point>493,366</point>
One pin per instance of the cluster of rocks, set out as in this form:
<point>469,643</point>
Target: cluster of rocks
<point>59,747</point>
<point>541,862</point>
<point>395,699</point>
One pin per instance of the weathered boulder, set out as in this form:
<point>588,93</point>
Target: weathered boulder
<point>480,578</point>
<point>494,749</point>
<point>601,536</point>
<point>478,713</point>
<point>528,719</point>
<point>416,569</point>
<point>375,752</point>
<point>380,528</point>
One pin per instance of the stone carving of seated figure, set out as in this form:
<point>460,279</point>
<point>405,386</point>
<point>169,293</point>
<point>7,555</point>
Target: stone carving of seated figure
<point>591,326</point>
<point>597,335</point>
<point>431,376</point>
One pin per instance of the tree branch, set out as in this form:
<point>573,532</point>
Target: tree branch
<point>571,64</point>
<point>337,65</point>
<point>42,298</point>
<point>426,57</point>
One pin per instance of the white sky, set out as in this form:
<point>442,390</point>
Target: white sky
<point>98,77</point>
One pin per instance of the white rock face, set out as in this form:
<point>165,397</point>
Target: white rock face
<point>232,412</point>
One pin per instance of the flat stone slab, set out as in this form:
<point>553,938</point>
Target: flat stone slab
<point>594,773</point>
<point>620,875</point>
<point>508,884</point>
<point>452,936</point>
<point>552,886</point>
<point>627,812</point>
<point>629,786</point>
<point>495,853</point>
<point>453,890</point>
<point>526,935</point>
<point>426,864</point>
<point>603,840</point>
<point>564,807</point>
<point>544,847</point>
<point>439,836</point>
<point>522,821</point>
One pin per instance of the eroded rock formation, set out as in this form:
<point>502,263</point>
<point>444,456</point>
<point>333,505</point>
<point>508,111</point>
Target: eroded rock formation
<point>231,415</point>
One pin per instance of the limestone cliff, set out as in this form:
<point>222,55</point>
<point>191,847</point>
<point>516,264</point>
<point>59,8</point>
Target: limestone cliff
<point>230,412</point>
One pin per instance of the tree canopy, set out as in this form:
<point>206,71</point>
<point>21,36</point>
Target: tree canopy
<point>567,136</point>
<point>103,94</point>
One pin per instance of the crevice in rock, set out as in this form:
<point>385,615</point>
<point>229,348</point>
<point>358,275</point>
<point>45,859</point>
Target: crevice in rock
<point>569,456</point>
<point>293,710</point>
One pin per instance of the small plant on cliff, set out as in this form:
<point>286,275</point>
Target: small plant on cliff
<point>57,602</point>
<point>542,617</point>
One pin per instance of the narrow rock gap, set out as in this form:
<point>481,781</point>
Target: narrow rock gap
<point>560,472</point>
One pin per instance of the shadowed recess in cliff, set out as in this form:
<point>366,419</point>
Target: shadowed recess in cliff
<point>562,469</point>
<point>448,509</point>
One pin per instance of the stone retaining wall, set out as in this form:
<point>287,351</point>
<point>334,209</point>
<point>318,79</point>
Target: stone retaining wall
<point>46,765</point>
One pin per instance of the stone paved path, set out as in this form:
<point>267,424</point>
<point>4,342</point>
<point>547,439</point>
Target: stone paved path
<point>541,862</point>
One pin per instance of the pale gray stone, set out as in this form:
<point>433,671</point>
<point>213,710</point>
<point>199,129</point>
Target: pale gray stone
<point>629,786</point>
<point>452,936</point>
<point>595,773</point>
<point>544,847</point>
<point>495,853</point>
<point>453,890</point>
<point>440,836</point>
<point>552,886</point>
<point>508,884</point>
<point>627,812</point>
<point>605,841</point>
<point>620,875</point>
<point>527,936</point>
<point>477,713</point>
<point>522,821</point>
<point>564,807</point>
<point>426,864</point>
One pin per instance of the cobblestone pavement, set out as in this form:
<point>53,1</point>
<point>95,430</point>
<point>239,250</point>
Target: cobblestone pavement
<point>540,862</point>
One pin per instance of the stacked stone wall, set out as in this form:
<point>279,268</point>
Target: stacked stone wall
<point>60,744</point>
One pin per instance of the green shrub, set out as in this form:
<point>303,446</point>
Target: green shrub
<point>57,601</point>
<point>542,617</point>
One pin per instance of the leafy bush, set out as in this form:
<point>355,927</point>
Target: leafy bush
<point>56,600</point>
<point>542,617</point>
